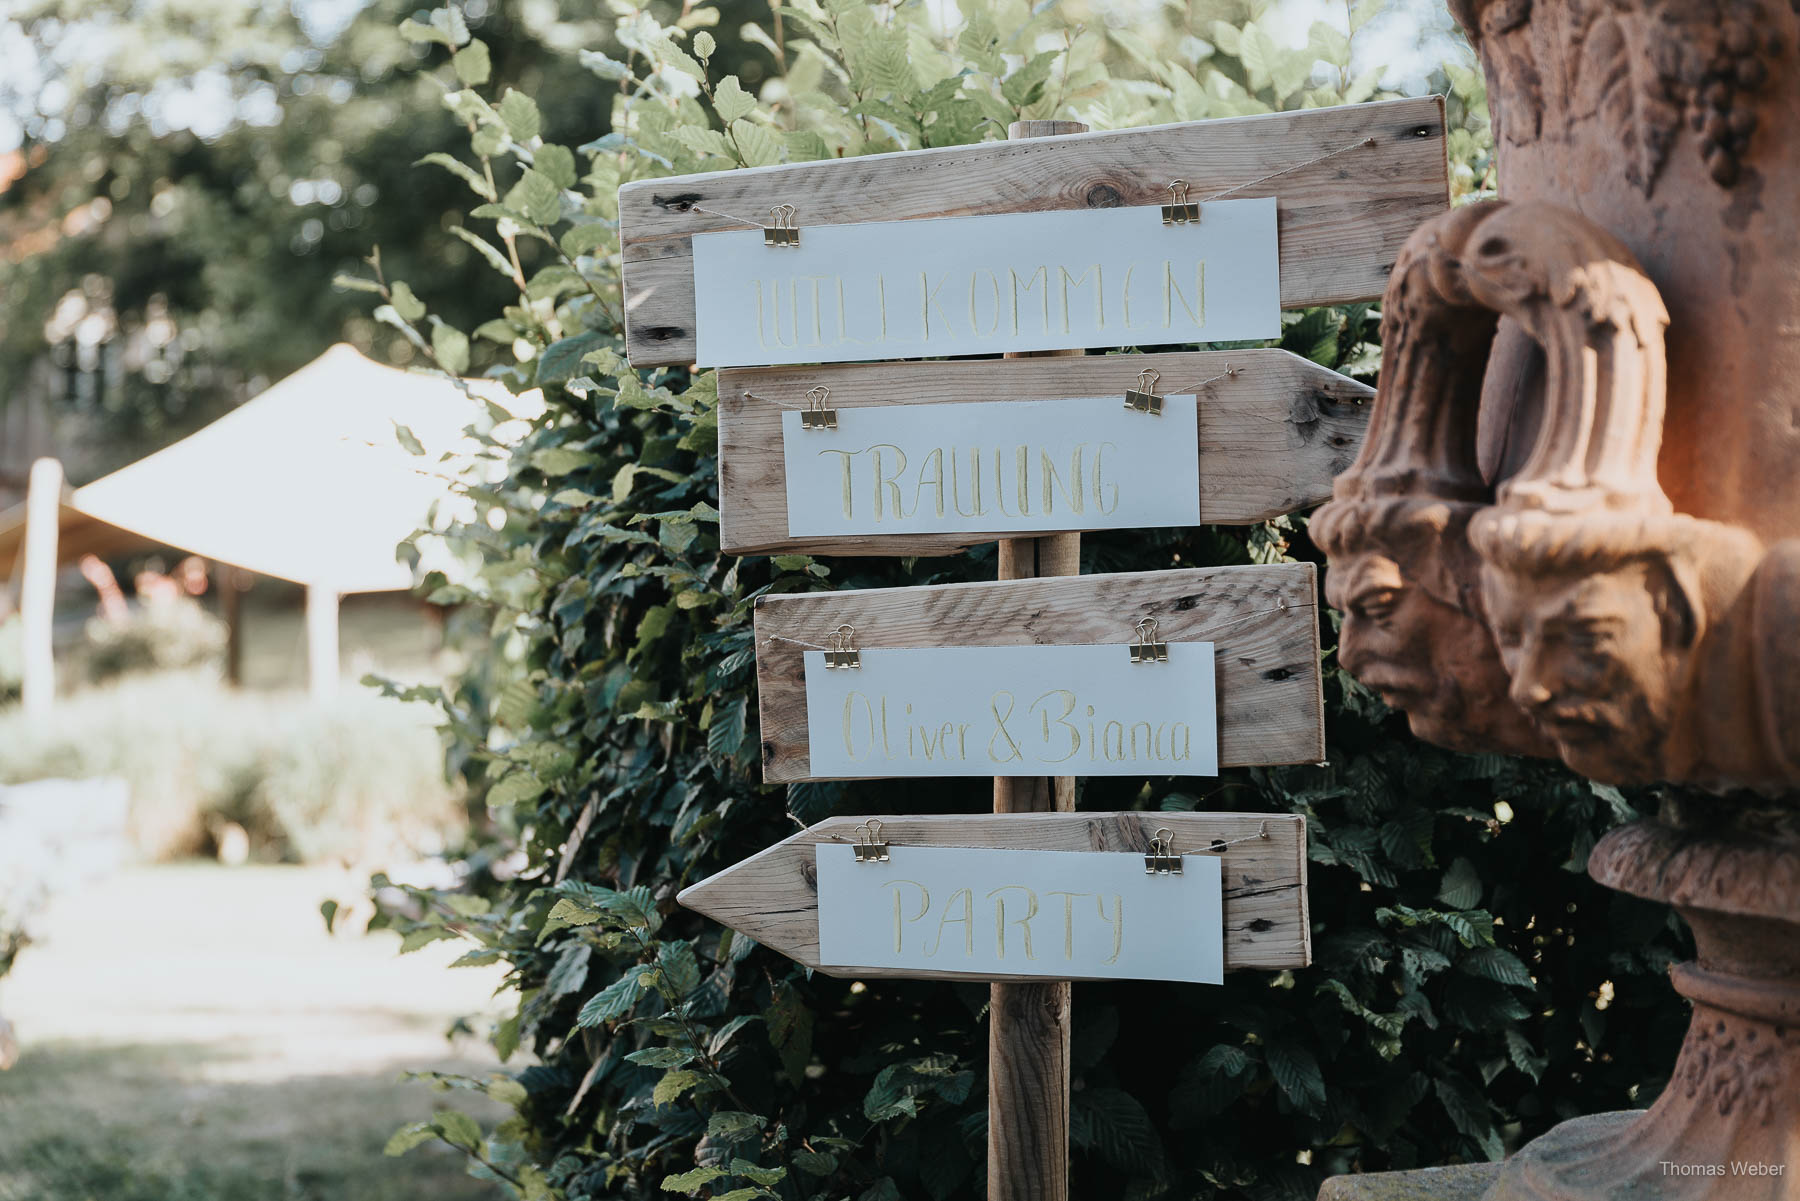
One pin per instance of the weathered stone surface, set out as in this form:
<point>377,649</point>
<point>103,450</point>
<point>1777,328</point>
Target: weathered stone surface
<point>1463,1183</point>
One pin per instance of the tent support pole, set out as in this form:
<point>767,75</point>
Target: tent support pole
<point>321,641</point>
<point>37,600</point>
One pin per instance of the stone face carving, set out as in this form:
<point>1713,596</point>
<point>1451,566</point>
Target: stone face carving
<point>1403,571</point>
<point>1584,469</point>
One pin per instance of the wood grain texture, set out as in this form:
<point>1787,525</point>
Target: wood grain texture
<point>1341,222</point>
<point>1263,621</point>
<point>773,896</point>
<point>1030,1024</point>
<point>1272,437</point>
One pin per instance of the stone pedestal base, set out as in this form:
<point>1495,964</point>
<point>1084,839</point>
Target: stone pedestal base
<point>1466,1183</point>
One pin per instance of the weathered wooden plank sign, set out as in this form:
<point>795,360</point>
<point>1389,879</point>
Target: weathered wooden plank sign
<point>984,285</point>
<point>1340,221</point>
<point>1091,891</point>
<point>1262,622</point>
<point>1267,439</point>
<point>1014,711</point>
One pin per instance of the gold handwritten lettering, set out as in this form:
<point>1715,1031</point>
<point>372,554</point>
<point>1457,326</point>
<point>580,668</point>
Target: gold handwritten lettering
<point>932,474</point>
<point>899,920</point>
<point>1073,492</point>
<point>966,921</point>
<point>1040,276</point>
<point>1118,924</point>
<point>1172,292</point>
<point>1001,921</point>
<point>1099,295</point>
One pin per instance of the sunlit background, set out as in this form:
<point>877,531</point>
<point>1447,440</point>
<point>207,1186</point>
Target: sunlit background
<point>180,182</point>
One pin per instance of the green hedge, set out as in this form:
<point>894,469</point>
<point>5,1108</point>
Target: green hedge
<point>1472,986</point>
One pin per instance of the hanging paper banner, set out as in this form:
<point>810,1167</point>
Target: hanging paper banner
<point>984,285</point>
<point>1013,711</point>
<point>1015,467</point>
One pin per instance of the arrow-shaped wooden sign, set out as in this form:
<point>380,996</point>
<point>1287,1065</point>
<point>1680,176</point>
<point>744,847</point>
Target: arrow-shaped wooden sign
<point>1270,433</point>
<point>930,919</point>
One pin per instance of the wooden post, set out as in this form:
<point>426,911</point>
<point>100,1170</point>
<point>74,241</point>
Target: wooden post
<point>321,641</point>
<point>37,600</point>
<point>1028,1024</point>
<point>231,581</point>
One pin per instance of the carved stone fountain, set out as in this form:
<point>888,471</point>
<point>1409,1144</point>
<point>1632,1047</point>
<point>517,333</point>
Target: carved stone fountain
<point>1574,530</point>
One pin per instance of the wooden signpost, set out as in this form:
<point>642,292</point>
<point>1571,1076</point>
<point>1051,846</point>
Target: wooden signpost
<point>1273,429</point>
<point>774,897</point>
<point>1052,242</point>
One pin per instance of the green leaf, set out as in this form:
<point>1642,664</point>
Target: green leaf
<point>662,1057</point>
<point>565,913</point>
<point>1461,885</point>
<point>494,258</point>
<point>586,239</point>
<point>1297,1073</point>
<point>1496,964</point>
<point>451,346</point>
<point>412,1135</point>
<point>612,1002</point>
<point>757,1174</point>
<point>520,112</point>
<point>405,303</point>
<point>423,936</point>
<point>760,145</point>
<point>1026,85</point>
<point>458,1129</point>
<point>561,360</point>
<point>536,197</point>
<point>607,68</point>
<point>515,788</point>
<point>557,163</point>
<point>704,45</point>
<point>731,101</point>
<point>1364,11</point>
<point>409,441</point>
<point>816,1163</point>
<point>690,1182</point>
<point>471,64</point>
<point>418,31</point>
<point>448,20</point>
<point>328,910</point>
<point>680,967</point>
<point>733,1126</point>
<point>477,182</point>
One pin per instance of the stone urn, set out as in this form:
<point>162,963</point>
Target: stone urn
<point>1574,529</point>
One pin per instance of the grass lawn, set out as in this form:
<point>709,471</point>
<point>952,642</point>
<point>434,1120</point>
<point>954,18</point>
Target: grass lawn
<point>192,1034</point>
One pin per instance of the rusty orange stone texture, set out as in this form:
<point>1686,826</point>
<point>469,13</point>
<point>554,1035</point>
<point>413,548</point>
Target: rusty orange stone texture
<point>1574,529</point>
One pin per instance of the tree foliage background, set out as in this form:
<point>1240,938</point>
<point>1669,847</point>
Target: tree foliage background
<point>1472,985</point>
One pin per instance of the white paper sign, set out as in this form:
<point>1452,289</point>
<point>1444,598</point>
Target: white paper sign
<point>982,285</point>
<point>998,467</point>
<point>1059,914</point>
<point>1013,711</point>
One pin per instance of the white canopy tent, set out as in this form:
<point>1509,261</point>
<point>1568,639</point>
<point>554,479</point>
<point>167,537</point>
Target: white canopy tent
<point>308,482</point>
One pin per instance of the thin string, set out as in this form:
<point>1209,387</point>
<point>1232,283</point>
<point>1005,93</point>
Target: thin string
<point>716,213</point>
<point>1250,183</point>
<point>784,404</point>
<point>1230,372</point>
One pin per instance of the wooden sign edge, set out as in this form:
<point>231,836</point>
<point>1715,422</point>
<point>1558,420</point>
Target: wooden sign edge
<point>734,382</point>
<point>841,829</point>
<point>1309,570</point>
<point>631,256</point>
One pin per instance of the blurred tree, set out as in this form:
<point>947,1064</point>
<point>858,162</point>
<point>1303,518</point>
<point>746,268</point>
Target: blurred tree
<point>192,175</point>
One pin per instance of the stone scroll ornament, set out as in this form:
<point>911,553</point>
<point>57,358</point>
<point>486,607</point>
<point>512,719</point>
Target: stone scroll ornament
<point>1396,529</point>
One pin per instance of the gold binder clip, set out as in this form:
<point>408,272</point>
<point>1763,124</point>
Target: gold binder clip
<point>843,654</point>
<point>869,846</point>
<point>1180,210</point>
<point>1144,397</point>
<point>1147,648</point>
<point>817,415</point>
<point>1161,859</point>
<point>781,231</point>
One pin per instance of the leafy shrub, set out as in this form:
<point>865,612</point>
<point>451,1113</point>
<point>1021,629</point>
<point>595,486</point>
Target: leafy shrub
<point>174,634</point>
<point>1472,985</point>
<point>357,780</point>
